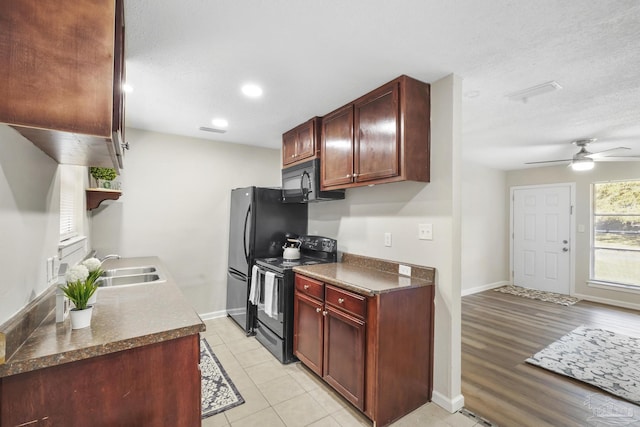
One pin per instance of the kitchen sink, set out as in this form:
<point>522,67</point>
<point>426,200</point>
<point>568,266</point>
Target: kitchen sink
<point>128,271</point>
<point>133,279</point>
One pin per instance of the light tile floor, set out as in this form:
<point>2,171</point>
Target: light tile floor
<point>279,395</point>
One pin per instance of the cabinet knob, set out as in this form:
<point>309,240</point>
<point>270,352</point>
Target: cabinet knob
<point>348,175</point>
<point>324,313</point>
<point>306,287</point>
<point>293,155</point>
<point>318,310</point>
<point>340,300</point>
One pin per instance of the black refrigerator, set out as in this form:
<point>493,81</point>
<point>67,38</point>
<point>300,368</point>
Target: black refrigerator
<point>258,224</point>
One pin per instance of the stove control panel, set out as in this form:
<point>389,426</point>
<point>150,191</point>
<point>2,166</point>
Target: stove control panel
<point>319,244</point>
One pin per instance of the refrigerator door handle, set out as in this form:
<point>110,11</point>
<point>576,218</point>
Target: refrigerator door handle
<point>237,275</point>
<point>244,234</point>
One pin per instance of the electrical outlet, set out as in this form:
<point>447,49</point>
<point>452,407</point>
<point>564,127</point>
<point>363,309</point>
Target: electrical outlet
<point>404,270</point>
<point>387,239</point>
<point>425,231</point>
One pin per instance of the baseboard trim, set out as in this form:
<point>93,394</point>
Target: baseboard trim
<point>608,301</point>
<point>213,315</point>
<point>483,288</point>
<point>451,405</point>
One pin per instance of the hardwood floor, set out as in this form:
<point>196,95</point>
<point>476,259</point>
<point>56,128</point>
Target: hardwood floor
<point>500,331</point>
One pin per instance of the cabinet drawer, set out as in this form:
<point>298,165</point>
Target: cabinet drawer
<point>310,287</point>
<point>346,301</point>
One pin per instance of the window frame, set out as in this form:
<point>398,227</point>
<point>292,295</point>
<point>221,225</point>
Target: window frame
<point>593,281</point>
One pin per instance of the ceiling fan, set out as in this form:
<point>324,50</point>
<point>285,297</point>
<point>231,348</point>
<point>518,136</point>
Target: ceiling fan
<point>584,160</point>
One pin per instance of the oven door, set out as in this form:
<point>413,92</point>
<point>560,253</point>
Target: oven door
<point>275,321</point>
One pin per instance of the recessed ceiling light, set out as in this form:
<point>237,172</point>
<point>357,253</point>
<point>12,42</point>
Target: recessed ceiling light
<point>252,90</point>
<point>127,88</point>
<point>220,122</point>
<point>524,94</point>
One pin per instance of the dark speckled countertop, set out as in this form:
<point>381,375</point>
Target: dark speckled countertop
<point>124,317</point>
<point>368,276</point>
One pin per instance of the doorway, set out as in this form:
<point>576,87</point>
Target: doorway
<point>541,237</point>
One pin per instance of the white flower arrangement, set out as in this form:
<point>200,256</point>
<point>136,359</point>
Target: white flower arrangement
<point>92,264</point>
<point>77,273</point>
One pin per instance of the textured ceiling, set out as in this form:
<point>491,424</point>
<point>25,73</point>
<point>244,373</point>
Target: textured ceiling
<point>187,60</point>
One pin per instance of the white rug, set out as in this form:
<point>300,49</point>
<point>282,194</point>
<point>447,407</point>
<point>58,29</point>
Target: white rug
<point>601,358</point>
<point>218,392</point>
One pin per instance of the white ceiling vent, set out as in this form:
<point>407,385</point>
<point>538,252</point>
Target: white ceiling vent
<point>524,94</point>
<point>214,130</point>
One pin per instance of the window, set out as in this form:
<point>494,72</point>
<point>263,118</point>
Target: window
<point>71,185</point>
<point>615,253</point>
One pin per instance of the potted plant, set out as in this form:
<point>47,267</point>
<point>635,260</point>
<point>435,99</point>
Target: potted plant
<point>79,289</point>
<point>103,176</point>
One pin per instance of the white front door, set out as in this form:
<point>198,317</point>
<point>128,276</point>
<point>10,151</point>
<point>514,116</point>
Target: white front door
<point>541,237</point>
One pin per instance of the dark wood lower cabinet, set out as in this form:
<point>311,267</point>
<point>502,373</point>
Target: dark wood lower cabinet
<point>376,351</point>
<point>154,385</point>
<point>308,322</point>
<point>344,342</point>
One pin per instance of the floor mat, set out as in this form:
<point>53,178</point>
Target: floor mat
<point>218,391</point>
<point>539,295</point>
<point>598,357</point>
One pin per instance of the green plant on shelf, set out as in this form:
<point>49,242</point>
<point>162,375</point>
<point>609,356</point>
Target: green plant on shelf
<point>107,174</point>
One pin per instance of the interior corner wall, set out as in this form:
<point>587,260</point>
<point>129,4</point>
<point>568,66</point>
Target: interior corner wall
<point>360,220</point>
<point>485,228</point>
<point>175,204</point>
<point>603,171</point>
<point>29,220</point>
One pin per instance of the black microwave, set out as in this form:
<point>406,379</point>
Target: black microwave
<point>301,184</point>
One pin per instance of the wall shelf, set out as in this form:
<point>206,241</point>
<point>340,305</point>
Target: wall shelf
<point>95,196</point>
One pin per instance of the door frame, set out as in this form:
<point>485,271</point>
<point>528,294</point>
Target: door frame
<point>572,231</point>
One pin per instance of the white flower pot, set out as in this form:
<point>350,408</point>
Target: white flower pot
<point>81,318</point>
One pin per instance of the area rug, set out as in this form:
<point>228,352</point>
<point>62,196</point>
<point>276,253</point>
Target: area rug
<point>218,392</point>
<point>601,358</point>
<point>539,295</point>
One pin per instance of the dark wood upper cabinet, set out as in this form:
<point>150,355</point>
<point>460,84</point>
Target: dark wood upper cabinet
<point>387,139</point>
<point>63,65</point>
<point>301,143</point>
<point>336,156</point>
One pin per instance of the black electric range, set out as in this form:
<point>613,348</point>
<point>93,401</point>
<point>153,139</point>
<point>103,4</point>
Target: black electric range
<point>274,328</point>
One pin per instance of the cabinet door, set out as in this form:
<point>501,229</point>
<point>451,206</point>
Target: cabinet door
<point>305,146</point>
<point>377,138</point>
<point>289,147</point>
<point>344,361</point>
<point>337,148</point>
<point>307,331</point>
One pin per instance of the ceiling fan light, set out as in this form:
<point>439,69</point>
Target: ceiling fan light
<point>583,164</point>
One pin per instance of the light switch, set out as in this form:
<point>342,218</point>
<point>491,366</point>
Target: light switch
<point>387,239</point>
<point>425,231</point>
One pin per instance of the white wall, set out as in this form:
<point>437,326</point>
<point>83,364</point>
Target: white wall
<point>360,221</point>
<point>29,220</point>
<point>175,205</point>
<point>485,228</point>
<point>603,171</point>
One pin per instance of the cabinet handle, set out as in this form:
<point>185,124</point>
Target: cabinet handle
<point>340,300</point>
<point>348,175</point>
<point>318,310</point>
<point>306,287</point>
<point>324,313</point>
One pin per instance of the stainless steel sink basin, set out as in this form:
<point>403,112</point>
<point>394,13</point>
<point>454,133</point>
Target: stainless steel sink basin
<point>133,279</point>
<point>128,271</point>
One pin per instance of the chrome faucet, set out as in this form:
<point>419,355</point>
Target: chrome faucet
<point>110,256</point>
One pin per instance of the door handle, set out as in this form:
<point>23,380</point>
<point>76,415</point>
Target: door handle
<point>565,241</point>
<point>565,249</point>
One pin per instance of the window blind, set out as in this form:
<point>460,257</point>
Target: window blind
<point>69,201</point>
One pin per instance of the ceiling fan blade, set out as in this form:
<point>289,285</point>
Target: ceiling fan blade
<point>549,161</point>
<point>598,154</point>
<point>618,159</point>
